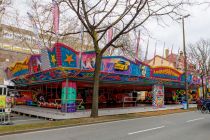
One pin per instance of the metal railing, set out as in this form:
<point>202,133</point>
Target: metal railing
<point>5,117</point>
<point>129,101</point>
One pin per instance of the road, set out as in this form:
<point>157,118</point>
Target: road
<point>180,126</point>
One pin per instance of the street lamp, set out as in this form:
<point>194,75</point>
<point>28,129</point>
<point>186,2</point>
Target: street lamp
<point>185,58</point>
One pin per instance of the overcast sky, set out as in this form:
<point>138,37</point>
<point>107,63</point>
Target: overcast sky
<point>197,26</point>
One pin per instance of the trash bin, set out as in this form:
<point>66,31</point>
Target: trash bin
<point>184,104</point>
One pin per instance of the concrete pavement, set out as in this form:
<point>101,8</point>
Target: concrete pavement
<point>182,126</point>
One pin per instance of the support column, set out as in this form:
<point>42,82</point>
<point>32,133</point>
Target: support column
<point>158,96</point>
<point>68,96</point>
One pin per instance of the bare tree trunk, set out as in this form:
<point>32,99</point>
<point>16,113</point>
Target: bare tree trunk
<point>94,110</point>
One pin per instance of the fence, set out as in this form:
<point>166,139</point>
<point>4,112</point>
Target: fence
<point>125,100</point>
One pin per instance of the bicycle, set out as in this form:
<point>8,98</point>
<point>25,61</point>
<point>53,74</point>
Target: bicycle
<point>205,108</point>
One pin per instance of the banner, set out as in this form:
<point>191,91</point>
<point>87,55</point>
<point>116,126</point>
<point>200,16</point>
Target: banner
<point>137,45</point>
<point>56,13</point>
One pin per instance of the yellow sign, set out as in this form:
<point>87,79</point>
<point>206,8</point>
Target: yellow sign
<point>166,71</point>
<point>2,101</point>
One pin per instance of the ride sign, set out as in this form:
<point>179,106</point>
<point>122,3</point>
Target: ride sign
<point>2,101</point>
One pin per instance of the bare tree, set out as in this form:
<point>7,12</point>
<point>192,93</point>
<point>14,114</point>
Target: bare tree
<point>42,15</point>
<point>198,54</point>
<point>99,16</point>
<point>4,4</point>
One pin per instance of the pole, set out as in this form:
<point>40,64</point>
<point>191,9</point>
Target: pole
<point>202,86</point>
<point>206,85</point>
<point>185,61</point>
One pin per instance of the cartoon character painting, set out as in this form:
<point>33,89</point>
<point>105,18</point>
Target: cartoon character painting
<point>36,64</point>
<point>143,70</point>
<point>88,61</point>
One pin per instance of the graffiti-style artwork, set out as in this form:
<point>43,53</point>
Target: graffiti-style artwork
<point>20,68</point>
<point>116,65</point>
<point>166,72</point>
<point>63,62</point>
<point>121,65</point>
<point>88,61</point>
<point>35,64</point>
<point>158,96</point>
<point>196,79</point>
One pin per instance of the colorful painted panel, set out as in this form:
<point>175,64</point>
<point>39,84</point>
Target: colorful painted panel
<point>121,65</point>
<point>196,79</point>
<point>158,96</point>
<point>20,68</point>
<point>144,70</point>
<point>135,69</point>
<point>68,58</point>
<point>166,73</point>
<point>52,57</point>
<point>68,96</point>
<point>88,60</point>
<point>35,64</point>
<point>117,65</point>
<point>189,78</point>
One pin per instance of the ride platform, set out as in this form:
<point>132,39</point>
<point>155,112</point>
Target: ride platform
<point>54,114</point>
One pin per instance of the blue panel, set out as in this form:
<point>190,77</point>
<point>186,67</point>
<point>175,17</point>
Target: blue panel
<point>147,71</point>
<point>68,58</point>
<point>53,59</point>
<point>135,71</point>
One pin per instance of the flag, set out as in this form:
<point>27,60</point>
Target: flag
<point>81,38</point>
<point>146,50</point>
<point>35,29</point>
<point>109,34</point>
<point>172,49</point>
<point>109,38</point>
<point>137,45</point>
<point>177,59</point>
<point>56,13</point>
<point>171,58</point>
<point>163,53</point>
<point>155,53</point>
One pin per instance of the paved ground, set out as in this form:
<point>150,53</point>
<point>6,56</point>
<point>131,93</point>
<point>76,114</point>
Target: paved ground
<point>19,119</point>
<point>181,126</point>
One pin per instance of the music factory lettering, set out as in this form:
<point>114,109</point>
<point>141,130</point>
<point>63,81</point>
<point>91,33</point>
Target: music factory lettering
<point>166,72</point>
